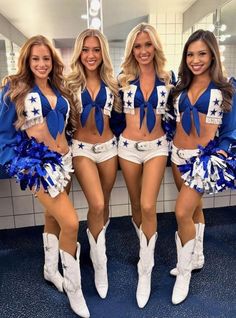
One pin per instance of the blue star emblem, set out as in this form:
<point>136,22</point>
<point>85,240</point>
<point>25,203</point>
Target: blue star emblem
<point>25,113</point>
<point>129,103</point>
<point>33,99</point>
<point>213,112</point>
<point>125,143</point>
<point>113,143</point>
<point>216,101</point>
<point>159,143</point>
<point>35,111</point>
<point>81,146</point>
<point>129,94</point>
<point>109,104</point>
<point>111,95</point>
<point>220,113</point>
<point>162,103</point>
<point>163,93</point>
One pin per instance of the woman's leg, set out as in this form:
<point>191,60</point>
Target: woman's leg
<point>64,213</point>
<point>107,171</point>
<point>198,216</point>
<point>153,172</point>
<point>187,202</point>
<point>132,173</point>
<point>87,174</point>
<point>50,223</point>
<point>61,209</point>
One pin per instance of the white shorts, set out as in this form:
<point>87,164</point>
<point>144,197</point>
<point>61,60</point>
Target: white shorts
<point>180,156</point>
<point>96,152</point>
<point>142,151</point>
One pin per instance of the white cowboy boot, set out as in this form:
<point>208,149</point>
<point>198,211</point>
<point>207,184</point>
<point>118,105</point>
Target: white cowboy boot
<point>137,230</point>
<point>51,258</point>
<point>184,267</point>
<point>145,266</point>
<point>198,256</point>
<point>99,260</point>
<point>72,282</point>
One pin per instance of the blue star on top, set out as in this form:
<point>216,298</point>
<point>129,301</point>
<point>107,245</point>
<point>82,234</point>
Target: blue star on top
<point>111,95</point>
<point>129,103</point>
<point>81,146</point>
<point>213,112</point>
<point>113,143</point>
<point>220,113</point>
<point>109,104</point>
<point>35,111</point>
<point>33,99</point>
<point>162,103</point>
<point>125,143</point>
<point>216,101</point>
<point>159,143</point>
<point>163,93</point>
<point>25,113</point>
<point>129,94</point>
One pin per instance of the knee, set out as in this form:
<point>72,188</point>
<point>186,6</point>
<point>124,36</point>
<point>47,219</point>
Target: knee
<point>71,227</point>
<point>181,214</point>
<point>148,210</point>
<point>97,208</point>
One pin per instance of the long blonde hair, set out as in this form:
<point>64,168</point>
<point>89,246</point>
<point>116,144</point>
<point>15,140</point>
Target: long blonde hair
<point>77,79</point>
<point>130,69</point>
<point>21,83</point>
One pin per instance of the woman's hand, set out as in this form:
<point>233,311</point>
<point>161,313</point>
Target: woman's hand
<point>222,152</point>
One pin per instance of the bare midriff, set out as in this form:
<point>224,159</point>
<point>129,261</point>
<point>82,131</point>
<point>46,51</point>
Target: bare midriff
<point>134,132</point>
<point>89,132</point>
<point>191,141</point>
<point>41,133</point>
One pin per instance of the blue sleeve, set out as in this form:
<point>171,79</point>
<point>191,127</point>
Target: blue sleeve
<point>227,131</point>
<point>169,119</point>
<point>8,133</point>
<point>117,122</point>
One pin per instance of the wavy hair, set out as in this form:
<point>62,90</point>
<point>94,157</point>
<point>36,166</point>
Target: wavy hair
<point>216,71</point>
<point>21,83</point>
<point>130,69</point>
<point>76,80</point>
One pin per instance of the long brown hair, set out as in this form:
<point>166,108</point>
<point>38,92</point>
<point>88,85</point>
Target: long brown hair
<point>216,72</point>
<point>21,83</point>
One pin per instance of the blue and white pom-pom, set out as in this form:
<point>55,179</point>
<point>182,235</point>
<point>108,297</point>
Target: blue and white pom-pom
<point>210,172</point>
<point>31,163</point>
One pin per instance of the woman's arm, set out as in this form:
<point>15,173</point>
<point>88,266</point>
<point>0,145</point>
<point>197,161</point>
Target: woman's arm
<point>8,133</point>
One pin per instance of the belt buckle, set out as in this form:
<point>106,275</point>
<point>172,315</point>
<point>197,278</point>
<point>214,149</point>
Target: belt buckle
<point>138,146</point>
<point>96,148</point>
<point>180,154</point>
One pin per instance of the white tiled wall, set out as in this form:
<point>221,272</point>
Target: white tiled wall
<point>230,60</point>
<point>169,27</point>
<point>20,208</point>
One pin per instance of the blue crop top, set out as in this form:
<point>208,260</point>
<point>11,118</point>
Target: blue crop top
<point>155,105</point>
<point>103,104</point>
<point>209,103</point>
<point>37,109</point>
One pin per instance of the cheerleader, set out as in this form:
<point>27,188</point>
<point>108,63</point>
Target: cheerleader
<point>204,105</point>
<point>34,111</point>
<point>143,145</point>
<point>94,146</point>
